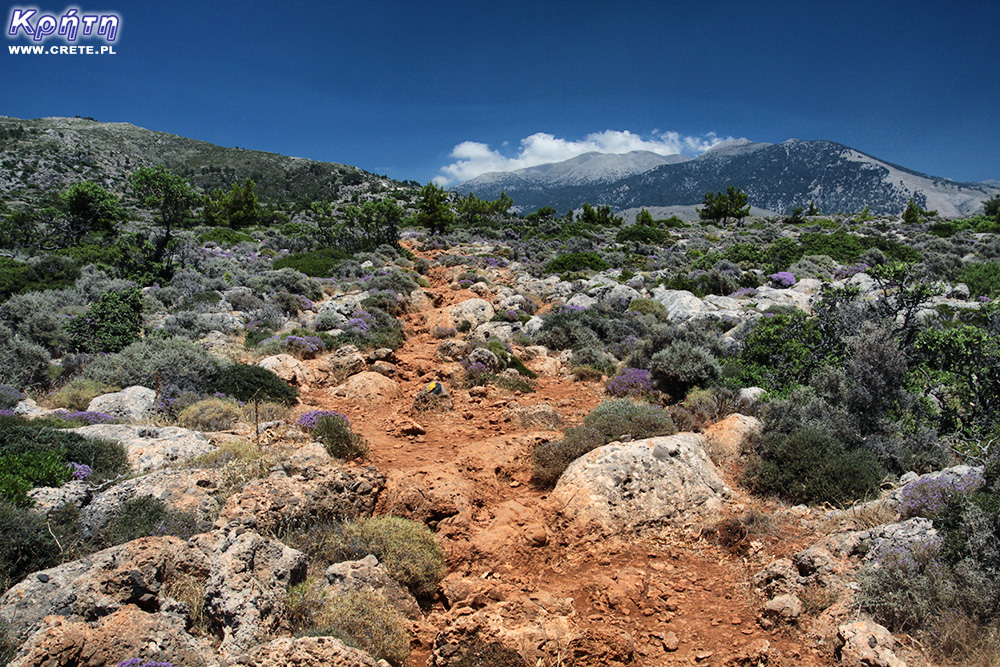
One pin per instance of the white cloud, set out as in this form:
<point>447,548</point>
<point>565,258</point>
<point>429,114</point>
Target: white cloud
<point>473,158</point>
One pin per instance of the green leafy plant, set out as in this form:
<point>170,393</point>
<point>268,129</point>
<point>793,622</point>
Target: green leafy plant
<point>109,325</point>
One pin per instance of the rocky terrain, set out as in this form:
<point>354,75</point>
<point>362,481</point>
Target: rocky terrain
<point>646,552</point>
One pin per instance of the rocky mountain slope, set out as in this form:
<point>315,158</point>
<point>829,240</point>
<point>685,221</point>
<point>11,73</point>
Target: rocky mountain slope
<point>50,153</point>
<point>778,177</point>
<point>640,555</point>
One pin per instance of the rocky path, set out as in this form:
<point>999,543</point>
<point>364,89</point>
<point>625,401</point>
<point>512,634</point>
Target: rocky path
<point>664,597</point>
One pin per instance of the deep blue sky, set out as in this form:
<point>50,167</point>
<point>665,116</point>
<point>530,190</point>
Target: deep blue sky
<point>393,87</point>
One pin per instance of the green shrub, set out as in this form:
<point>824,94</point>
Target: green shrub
<point>577,261</point>
<point>681,365</point>
<point>26,547</point>
<point>606,423</point>
<point>172,365</point>
<point>246,382</point>
<point>21,472</point>
<point>649,307</point>
<point>407,549</point>
<point>145,516</point>
<point>983,279</point>
<point>809,466</point>
<point>106,459</point>
<point>210,414</point>
<point>22,364</point>
<point>316,263</point>
<point>363,619</point>
<point>10,396</point>
<point>78,393</point>
<point>224,237</point>
<point>109,325</point>
<point>339,440</point>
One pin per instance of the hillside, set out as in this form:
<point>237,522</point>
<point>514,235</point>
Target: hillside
<point>778,177</point>
<point>50,153</point>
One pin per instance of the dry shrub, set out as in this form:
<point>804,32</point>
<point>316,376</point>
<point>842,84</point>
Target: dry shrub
<point>210,414</point>
<point>240,460</point>
<point>190,590</point>
<point>79,392</point>
<point>264,412</point>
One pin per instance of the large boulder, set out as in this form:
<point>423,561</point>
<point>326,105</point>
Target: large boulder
<point>131,404</point>
<point>127,633</point>
<point>151,447</point>
<point>279,501</point>
<point>141,572</point>
<point>621,485</point>
<point>429,494</point>
<point>247,589</point>
<point>865,642</point>
<point>188,491</point>
<point>433,397</point>
<point>681,305</point>
<point>369,387</point>
<point>288,368</point>
<point>727,438</point>
<point>475,311</point>
<point>344,362</point>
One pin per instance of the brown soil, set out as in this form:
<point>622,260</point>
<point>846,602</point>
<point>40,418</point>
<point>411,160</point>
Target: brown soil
<point>662,580</point>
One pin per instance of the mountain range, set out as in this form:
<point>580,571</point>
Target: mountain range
<point>777,178</point>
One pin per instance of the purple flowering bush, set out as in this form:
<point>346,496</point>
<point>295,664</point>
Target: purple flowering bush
<point>631,382</point>
<point>930,495</point>
<point>140,662</point>
<point>309,421</point>
<point>84,416</point>
<point>80,470</point>
<point>334,430</point>
<point>783,279</point>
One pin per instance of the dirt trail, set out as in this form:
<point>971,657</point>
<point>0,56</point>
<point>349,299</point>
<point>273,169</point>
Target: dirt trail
<point>682,599</point>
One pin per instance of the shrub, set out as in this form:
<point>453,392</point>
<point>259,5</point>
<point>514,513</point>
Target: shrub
<point>364,619</point>
<point>246,382</point>
<point>576,261</point>
<point>334,431</point>
<point>26,547</point>
<point>224,236</point>
<point>983,279</point>
<point>930,496</point>
<point>210,414</point>
<point>316,263</point>
<point>477,653</point>
<point>783,279</point>
<point>681,365</point>
<point>78,393</point>
<point>106,459</point>
<point>21,472</point>
<point>407,549</point>
<point>144,516</point>
<point>172,365</point>
<point>22,364</point>
<point>109,325</point>
<point>649,307</point>
<point>40,317</point>
<point>809,466</point>
<point>10,396</point>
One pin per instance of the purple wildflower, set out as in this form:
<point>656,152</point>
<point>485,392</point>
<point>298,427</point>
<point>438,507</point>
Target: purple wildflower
<point>310,420</point>
<point>631,382</point>
<point>80,470</point>
<point>783,278</point>
<point>928,496</point>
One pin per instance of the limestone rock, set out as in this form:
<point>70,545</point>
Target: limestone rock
<point>865,642</point>
<point>151,447</point>
<point>369,387</point>
<point>47,498</point>
<point>620,485</point>
<point>288,368</point>
<point>248,586</point>
<point>367,574</point>
<point>131,404</point>
<point>475,311</point>
<point>278,501</point>
<point>127,633</point>
<point>427,495</point>
<point>434,397</point>
<point>452,349</point>
<point>481,355</point>
<point>138,572</point>
<point>326,651</point>
<point>786,607</point>
<point>187,491</point>
<point>344,362</point>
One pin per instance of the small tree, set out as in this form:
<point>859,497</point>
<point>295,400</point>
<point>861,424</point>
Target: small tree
<point>913,213</point>
<point>170,195</point>
<point>88,207</point>
<point>991,207</point>
<point>433,209</point>
<point>812,209</point>
<point>237,208</point>
<point>722,206</point>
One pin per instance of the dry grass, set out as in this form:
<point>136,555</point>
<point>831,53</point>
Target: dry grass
<point>240,462</point>
<point>190,590</point>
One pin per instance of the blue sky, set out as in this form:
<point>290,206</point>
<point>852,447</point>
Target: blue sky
<point>395,87</point>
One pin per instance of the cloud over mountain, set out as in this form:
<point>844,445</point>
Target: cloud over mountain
<point>473,158</point>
